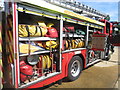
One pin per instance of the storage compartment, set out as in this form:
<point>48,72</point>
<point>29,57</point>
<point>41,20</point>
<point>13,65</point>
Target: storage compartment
<point>73,36</point>
<point>92,31</point>
<point>38,47</point>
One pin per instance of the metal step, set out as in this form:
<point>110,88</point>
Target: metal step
<point>78,8</point>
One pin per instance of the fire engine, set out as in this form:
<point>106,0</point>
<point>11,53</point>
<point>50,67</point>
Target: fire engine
<point>45,41</point>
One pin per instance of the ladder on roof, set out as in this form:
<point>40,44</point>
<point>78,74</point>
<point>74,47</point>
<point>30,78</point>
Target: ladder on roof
<point>79,8</point>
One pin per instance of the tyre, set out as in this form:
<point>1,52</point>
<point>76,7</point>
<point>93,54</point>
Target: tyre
<point>108,57</point>
<point>74,68</point>
<point>107,53</point>
<point>112,48</point>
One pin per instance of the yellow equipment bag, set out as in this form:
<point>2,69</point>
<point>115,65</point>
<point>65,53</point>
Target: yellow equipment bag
<point>29,30</point>
<point>43,27</point>
<point>32,30</point>
<point>26,48</point>
<point>50,44</point>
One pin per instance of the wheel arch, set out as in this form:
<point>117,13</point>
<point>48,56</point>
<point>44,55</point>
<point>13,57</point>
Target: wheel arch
<point>83,62</point>
<point>69,63</point>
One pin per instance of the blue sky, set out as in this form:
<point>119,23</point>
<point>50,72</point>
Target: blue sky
<point>109,7</point>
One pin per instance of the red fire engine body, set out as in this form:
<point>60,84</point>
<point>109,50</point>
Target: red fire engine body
<point>43,43</point>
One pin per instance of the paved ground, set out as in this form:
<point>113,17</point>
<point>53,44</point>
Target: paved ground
<point>102,75</point>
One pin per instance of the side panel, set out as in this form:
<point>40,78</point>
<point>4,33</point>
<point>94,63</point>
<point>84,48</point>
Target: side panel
<point>7,56</point>
<point>9,41</point>
<point>66,58</point>
<point>84,54</point>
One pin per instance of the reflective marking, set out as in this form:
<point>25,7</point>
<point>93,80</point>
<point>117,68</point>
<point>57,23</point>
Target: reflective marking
<point>77,52</point>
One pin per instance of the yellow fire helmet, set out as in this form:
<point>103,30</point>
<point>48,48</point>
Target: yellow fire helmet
<point>50,24</point>
<point>43,27</point>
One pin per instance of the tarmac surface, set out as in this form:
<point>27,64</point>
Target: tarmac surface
<point>101,75</point>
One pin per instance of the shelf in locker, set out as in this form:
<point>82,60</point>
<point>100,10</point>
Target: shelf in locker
<point>75,35</point>
<point>36,38</point>
<point>35,53</point>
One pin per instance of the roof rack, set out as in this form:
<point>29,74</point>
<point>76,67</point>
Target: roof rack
<point>79,8</point>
